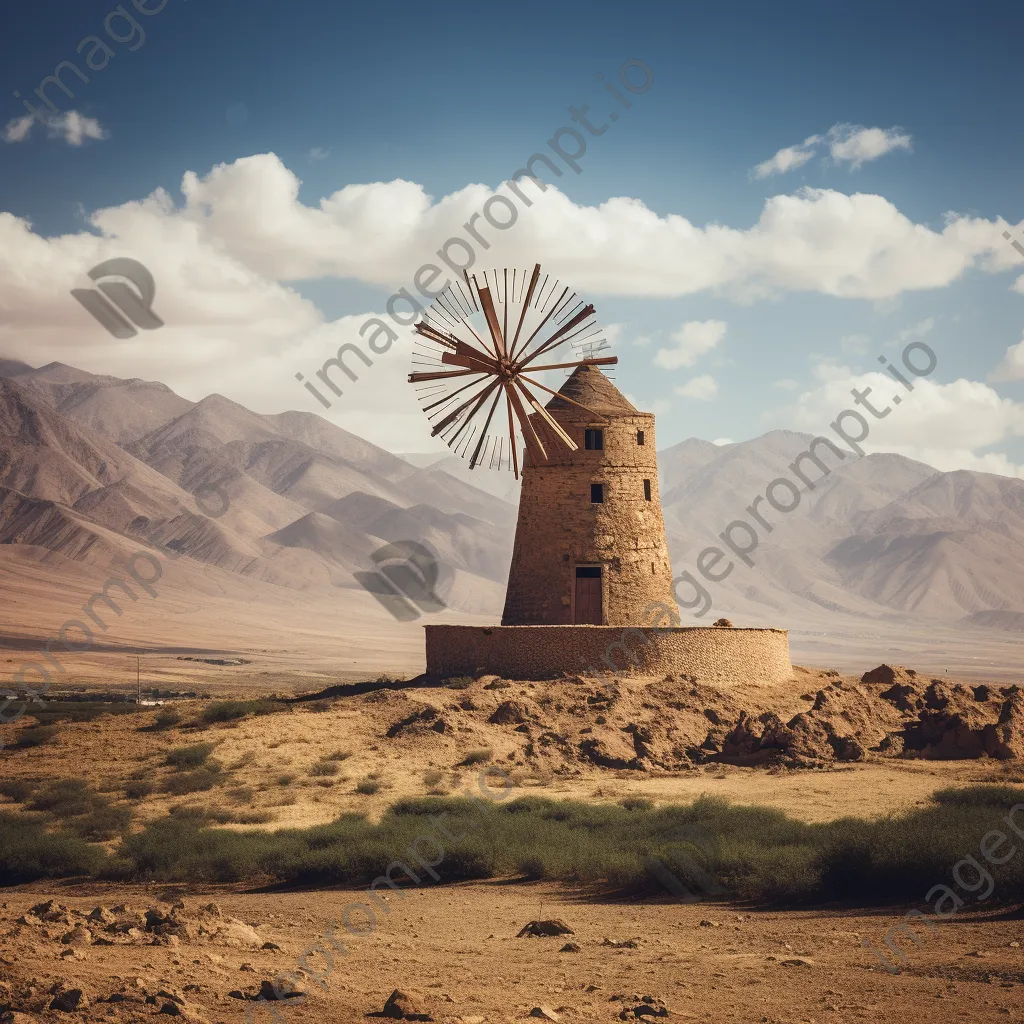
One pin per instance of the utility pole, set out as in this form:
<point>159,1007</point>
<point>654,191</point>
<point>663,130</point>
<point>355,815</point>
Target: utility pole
<point>138,675</point>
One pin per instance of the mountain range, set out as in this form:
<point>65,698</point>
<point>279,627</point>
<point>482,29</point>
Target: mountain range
<point>92,467</point>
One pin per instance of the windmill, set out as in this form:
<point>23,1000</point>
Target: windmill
<point>494,333</point>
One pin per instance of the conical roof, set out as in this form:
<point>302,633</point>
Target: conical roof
<point>590,387</point>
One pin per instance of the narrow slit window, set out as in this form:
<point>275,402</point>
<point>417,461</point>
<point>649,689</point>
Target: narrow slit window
<point>597,494</point>
<point>640,438</point>
<point>647,490</point>
<point>593,440</point>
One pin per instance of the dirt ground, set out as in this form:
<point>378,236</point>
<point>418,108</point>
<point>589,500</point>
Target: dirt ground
<point>455,949</point>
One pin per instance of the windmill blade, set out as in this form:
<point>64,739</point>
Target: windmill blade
<point>483,434</point>
<point>566,398</point>
<point>482,363</point>
<point>560,333</point>
<point>533,442</point>
<point>492,321</point>
<point>512,436</point>
<point>481,398</point>
<point>603,361</point>
<point>448,396</point>
<point>548,419</point>
<point>526,306</point>
<point>415,378</point>
<point>537,330</point>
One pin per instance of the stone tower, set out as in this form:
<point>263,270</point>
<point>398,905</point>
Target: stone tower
<point>590,541</point>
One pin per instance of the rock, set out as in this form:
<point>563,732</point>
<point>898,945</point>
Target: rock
<point>233,932</point>
<point>78,936</point>
<point>13,1017</point>
<point>886,675</point>
<point>510,712</point>
<point>621,943</point>
<point>797,961</point>
<point>52,911</point>
<point>281,988</point>
<point>68,1000</point>
<point>570,947</point>
<point>158,915</point>
<point>102,915</point>
<point>72,953</point>
<point>545,1013</point>
<point>270,945</point>
<point>545,929</point>
<point>402,1006</point>
<point>710,924</point>
<point>29,919</point>
<point>644,1007</point>
<point>184,1011</point>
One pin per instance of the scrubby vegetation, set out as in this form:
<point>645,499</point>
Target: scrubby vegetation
<point>710,847</point>
<point>17,790</point>
<point>29,851</point>
<point>167,719</point>
<point>37,735</point>
<point>53,711</point>
<point>190,757</point>
<point>232,710</point>
<point>198,781</point>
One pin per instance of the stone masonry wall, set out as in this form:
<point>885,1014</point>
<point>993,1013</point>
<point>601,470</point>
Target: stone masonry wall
<point>560,528</point>
<point>712,655</point>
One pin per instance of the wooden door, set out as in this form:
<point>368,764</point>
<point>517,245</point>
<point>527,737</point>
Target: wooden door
<point>588,596</point>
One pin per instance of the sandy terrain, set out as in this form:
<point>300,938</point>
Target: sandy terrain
<point>456,947</point>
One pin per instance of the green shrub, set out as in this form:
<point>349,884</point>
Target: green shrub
<point>253,817</point>
<point>190,757</point>
<point>37,735</point>
<point>432,778</point>
<point>324,768</point>
<point>168,718</point>
<point>18,790</point>
<point>65,798</point>
<point>28,852</point>
<point>103,822</point>
<point>233,710</point>
<point>459,683</point>
<point>751,853</point>
<point>198,781</point>
<point>286,780</point>
<point>981,796</point>
<point>136,789</point>
<point>636,803</point>
<point>367,787</point>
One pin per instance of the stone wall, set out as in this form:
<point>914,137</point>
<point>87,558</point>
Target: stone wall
<point>712,655</point>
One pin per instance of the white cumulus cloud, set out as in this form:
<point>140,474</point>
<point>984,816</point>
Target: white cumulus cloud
<point>788,159</point>
<point>73,127</point>
<point>948,426</point>
<point>1012,366</point>
<point>691,341</point>
<point>855,145</point>
<point>702,389</point>
<point>850,144</point>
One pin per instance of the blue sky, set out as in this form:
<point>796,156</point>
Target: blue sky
<point>451,98</point>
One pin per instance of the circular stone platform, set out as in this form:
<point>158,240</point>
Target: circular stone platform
<point>710,654</point>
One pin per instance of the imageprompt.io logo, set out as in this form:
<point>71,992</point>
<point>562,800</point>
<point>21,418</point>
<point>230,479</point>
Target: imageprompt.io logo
<point>121,309</point>
<point>406,580</point>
